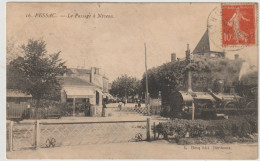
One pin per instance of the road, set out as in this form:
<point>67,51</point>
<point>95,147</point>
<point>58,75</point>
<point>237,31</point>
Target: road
<point>141,150</point>
<point>112,114</point>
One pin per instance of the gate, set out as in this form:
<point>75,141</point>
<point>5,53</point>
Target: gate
<point>19,136</point>
<point>23,136</point>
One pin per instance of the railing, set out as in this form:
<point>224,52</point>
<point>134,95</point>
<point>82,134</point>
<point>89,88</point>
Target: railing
<point>38,134</point>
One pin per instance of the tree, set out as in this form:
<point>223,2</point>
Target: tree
<point>173,76</point>
<point>12,50</point>
<point>205,71</point>
<point>169,76</point>
<point>37,72</point>
<point>125,86</point>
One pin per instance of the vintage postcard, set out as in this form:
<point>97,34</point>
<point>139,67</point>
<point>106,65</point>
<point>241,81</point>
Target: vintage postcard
<point>132,80</point>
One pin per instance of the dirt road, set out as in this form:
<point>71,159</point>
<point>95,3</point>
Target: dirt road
<point>142,150</point>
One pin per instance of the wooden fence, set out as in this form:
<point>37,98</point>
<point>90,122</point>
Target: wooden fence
<point>16,111</point>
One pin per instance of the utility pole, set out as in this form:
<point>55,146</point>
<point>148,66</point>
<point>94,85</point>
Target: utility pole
<point>146,83</point>
<point>189,83</point>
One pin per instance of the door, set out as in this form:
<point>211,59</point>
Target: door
<point>97,98</point>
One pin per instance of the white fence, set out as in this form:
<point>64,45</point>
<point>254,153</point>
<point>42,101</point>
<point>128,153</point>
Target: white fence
<point>21,136</point>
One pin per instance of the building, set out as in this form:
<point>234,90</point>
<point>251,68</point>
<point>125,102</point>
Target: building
<point>84,85</point>
<point>204,48</point>
<point>16,103</point>
<point>17,97</point>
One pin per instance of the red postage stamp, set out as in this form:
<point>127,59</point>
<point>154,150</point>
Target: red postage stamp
<point>238,24</point>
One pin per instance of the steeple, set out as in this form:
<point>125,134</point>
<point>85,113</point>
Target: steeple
<point>203,45</point>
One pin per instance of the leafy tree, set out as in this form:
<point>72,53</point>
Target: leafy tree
<point>205,70</point>
<point>12,50</point>
<point>165,78</point>
<point>125,86</point>
<point>37,72</point>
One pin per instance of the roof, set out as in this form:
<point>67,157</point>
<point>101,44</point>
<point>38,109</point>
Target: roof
<point>79,92</point>
<point>16,93</point>
<point>78,71</point>
<point>186,96</point>
<point>203,45</point>
<point>75,81</point>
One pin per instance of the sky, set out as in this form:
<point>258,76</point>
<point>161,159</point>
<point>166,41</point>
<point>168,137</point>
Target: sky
<point>114,43</point>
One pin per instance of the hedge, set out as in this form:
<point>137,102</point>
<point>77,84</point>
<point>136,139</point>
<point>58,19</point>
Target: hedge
<point>180,128</point>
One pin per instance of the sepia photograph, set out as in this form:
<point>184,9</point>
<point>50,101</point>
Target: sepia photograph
<point>99,80</point>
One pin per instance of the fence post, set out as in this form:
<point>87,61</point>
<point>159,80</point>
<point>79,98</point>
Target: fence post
<point>37,134</point>
<point>193,111</point>
<point>11,136</point>
<point>148,129</point>
<point>74,107</point>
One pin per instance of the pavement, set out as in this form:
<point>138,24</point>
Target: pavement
<point>142,150</point>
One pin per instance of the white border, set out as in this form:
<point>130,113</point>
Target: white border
<point>3,53</point>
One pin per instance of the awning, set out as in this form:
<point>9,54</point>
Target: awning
<point>108,95</point>
<point>76,92</point>
<point>99,91</point>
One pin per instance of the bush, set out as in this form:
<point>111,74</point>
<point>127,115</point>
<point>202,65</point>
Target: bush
<point>180,128</point>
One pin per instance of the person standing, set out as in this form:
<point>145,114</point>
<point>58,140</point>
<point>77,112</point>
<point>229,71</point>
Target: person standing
<point>139,104</point>
<point>124,103</point>
<point>120,105</point>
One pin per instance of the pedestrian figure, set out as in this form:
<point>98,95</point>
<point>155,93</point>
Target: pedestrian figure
<point>120,105</point>
<point>139,103</point>
<point>124,102</point>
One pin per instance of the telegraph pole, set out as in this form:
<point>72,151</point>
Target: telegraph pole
<point>146,83</point>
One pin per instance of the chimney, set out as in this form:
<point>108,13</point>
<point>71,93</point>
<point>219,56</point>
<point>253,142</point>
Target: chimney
<point>188,53</point>
<point>92,69</point>
<point>236,56</point>
<point>173,57</point>
<point>189,89</point>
